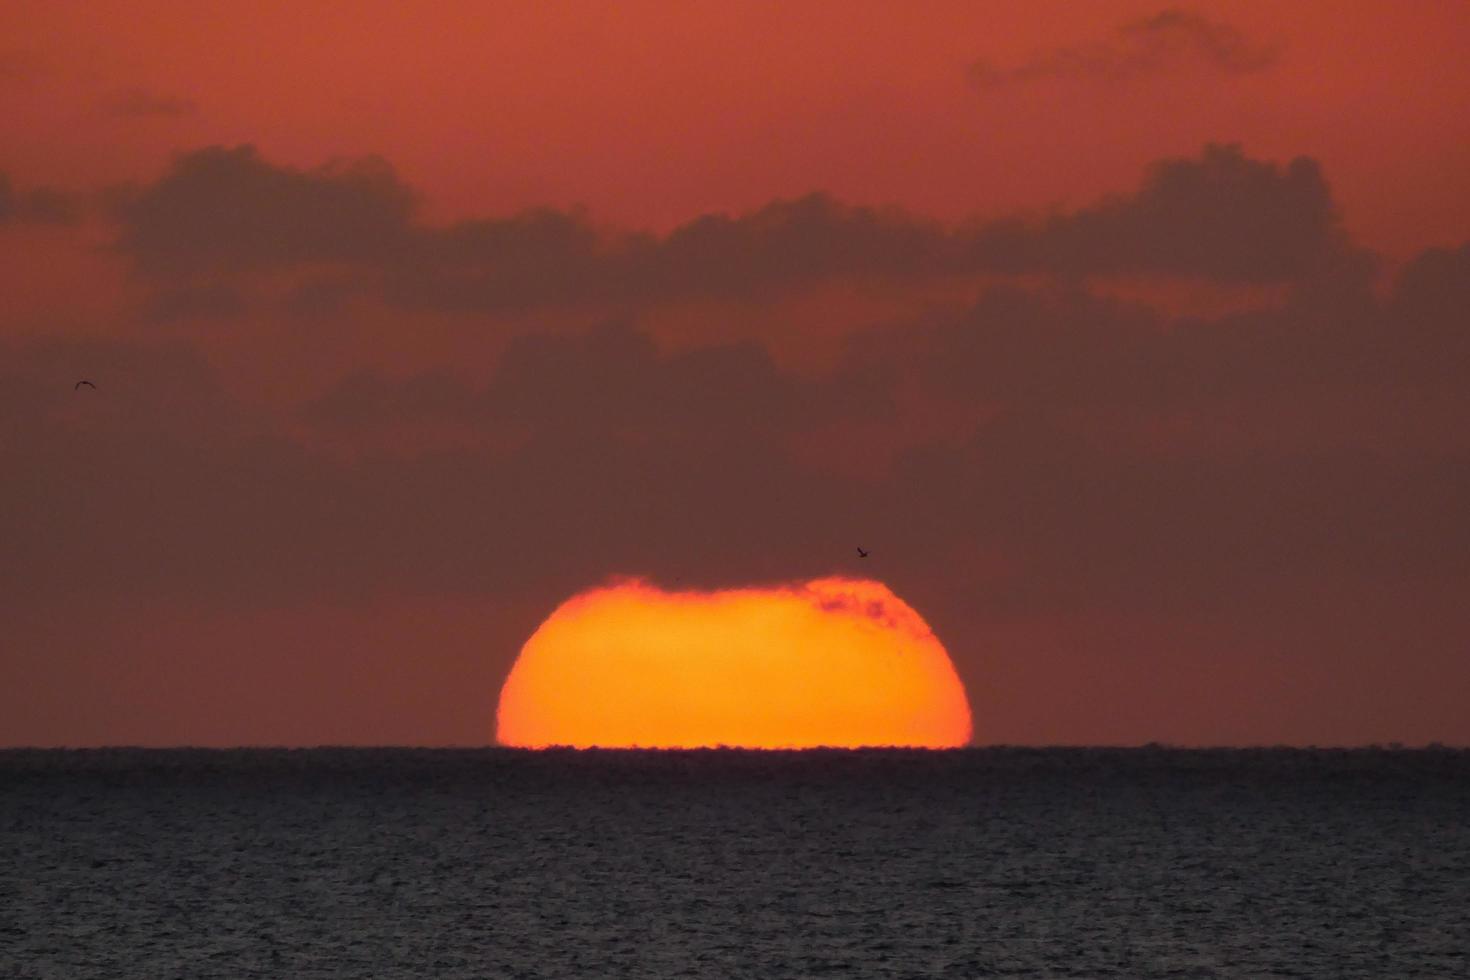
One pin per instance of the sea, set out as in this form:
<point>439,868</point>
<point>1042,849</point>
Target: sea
<point>502,863</point>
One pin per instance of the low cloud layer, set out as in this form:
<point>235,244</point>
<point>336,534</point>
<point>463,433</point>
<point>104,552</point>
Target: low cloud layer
<point>1043,468</point>
<point>615,374</point>
<point>1120,455</point>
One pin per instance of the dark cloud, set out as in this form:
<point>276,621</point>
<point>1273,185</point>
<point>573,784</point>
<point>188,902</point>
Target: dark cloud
<point>1125,457</point>
<point>1030,347</point>
<point>1130,459</point>
<point>321,297</point>
<point>227,209</point>
<point>797,241</point>
<point>162,485</point>
<point>615,374</point>
<point>1069,349</point>
<point>546,257</point>
<point>39,205</point>
<point>680,463</point>
<point>167,390</point>
<point>537,258</point>
<point>349,229</point>
<point>367,401</point>
<point>206,301</point>
<point>1435,282</point>
<point>1084,524</point>
<point>141,104</point>
<point>1431,345</point>
<point>1169,41</point>
<point>1128,467</point>
<point>1222,216</point>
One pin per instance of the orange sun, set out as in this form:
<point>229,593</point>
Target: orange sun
<point>834,662</point>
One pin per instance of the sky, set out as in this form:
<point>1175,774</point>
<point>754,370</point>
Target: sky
<point>1129,340</point>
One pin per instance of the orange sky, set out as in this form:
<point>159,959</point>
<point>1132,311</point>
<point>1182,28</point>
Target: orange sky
<point>1128,337</point>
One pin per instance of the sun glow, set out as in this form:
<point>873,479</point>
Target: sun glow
<point>831,662</point>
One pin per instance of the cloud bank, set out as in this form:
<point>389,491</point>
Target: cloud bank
<point>1052,473</point>
<point>227,214</point>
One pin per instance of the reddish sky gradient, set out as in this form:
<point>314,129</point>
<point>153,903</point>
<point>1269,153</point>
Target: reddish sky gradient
<point>652,113</point>
<point>1129,338</point>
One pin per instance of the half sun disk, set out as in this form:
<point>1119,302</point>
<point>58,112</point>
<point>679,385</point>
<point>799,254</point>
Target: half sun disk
<point>832,662</point>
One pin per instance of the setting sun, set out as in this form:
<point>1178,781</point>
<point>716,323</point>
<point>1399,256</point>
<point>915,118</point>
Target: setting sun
<point>831,662</point>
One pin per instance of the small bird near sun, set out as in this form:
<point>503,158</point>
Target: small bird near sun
<point>831,662</point>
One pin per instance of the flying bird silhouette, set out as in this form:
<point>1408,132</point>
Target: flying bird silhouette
<point>84,381</point>
<point>862,553</point>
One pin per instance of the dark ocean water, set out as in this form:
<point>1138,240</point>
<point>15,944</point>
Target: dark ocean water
<point>498,863</point>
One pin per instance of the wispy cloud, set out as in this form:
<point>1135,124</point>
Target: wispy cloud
<point>139,103</point>
<point>1169,41</point>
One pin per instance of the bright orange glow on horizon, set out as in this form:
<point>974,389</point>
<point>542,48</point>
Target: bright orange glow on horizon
<point>831,662</point>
